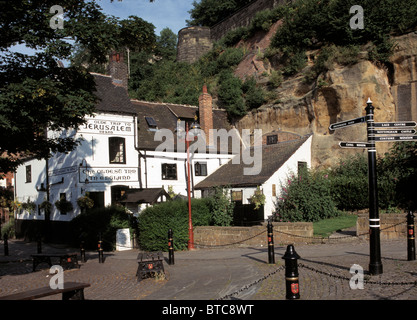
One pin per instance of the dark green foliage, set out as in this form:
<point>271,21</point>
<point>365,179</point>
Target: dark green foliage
<point>154,223</point>
<point>209,12</point>
<point>311,23</point>
<point>306,197</point>
<point>231,94</point>
<point>349,183</point>
<point>106,221</point>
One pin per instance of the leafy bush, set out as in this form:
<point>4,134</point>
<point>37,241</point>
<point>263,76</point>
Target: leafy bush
<point>349,183</point>
<point>87,226</point>
<point>306,197</point>
<point>154,223</point>
<point>231,94</point>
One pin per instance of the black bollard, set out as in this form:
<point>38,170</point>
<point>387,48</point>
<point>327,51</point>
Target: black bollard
<point>100,250</point>
<point>291,273</point>
<point>271,253</point>
<point>6,245</point>
<point>411,242</point>
<point>82,251</point>
<point>170,247</point>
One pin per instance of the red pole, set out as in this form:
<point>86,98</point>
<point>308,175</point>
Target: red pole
<point>190,223</point>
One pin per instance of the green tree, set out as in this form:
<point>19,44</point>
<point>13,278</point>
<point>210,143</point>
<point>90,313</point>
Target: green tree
<point>209,12</point>
<point>166,44</point>
<point>37,94</point>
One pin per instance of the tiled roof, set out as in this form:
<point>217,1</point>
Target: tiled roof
<point>150,195</point>
<point>114,99</point>
<point>273,157</point>
<point>166,116</point>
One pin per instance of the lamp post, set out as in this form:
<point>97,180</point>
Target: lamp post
<point>190,221</point>
<point>195,132</point>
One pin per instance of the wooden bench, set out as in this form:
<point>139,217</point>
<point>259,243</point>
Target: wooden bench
<point>66,260</point>
<point>149,264</point>
<point>71,291</point>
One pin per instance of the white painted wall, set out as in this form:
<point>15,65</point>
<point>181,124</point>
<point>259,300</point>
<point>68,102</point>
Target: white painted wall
<point>279,178</point>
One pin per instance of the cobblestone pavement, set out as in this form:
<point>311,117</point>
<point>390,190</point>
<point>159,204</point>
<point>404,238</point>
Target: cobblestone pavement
<point>230,273</point>
<point>324,273</point>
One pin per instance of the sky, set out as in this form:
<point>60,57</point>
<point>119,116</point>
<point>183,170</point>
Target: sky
<point>161,13</point>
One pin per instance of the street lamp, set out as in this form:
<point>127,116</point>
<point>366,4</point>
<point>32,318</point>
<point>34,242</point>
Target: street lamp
<point>195,128</point>
<point>86,177</point>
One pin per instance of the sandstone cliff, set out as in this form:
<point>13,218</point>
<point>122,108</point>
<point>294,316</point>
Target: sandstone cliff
<point>340,95</point>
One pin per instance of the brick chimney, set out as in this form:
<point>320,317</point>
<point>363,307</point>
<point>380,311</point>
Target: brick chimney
<point>118,70</point>
<point>205,110</point>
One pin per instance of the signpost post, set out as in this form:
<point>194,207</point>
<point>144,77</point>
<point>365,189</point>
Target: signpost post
<point>402,131</point>
<point>375,265</point>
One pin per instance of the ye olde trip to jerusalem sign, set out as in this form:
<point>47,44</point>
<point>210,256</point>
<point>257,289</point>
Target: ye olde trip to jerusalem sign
<point>97,126</point>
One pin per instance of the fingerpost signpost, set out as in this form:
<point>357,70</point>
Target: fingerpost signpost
<point>402,131</point>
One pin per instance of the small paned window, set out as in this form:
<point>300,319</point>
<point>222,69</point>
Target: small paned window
<point>272,139</point>
<point>200,169</point>
<point>117,150</point>
<point>169,171</point>
<point>29,173</point>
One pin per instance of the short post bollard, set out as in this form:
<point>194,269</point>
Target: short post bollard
<point>6,245</point>
<point>82,251</point>
<point>100,250</point>
<point>291,273</point>
<point>170,247</point>
<point>411,242</point>
<point>271,253</point>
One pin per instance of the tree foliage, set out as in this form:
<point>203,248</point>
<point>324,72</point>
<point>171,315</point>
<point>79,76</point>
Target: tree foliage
<point>37,94</point>
<point>209,12</point>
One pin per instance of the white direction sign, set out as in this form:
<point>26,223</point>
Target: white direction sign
<point>355,145</point>
<point>400,124</point>
<point>402,131</point>
<point>395,138</point>
<point>347,123</point>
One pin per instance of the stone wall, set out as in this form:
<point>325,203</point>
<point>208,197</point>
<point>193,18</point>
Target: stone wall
<point>242,18</point>
<point>393,226</point>
<point>193,42</point>
<point>253,236</point>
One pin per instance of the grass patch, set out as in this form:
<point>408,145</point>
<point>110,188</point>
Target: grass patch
<point>325,228</point>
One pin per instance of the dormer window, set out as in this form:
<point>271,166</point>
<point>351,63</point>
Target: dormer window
<point>151,123</point>
<point>273,139</point>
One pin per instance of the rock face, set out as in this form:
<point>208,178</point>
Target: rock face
<point>341,95</point>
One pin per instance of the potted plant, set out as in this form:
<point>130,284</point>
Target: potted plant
<point>63,205</point>
<point>29,206</point>
<point>85,202</point>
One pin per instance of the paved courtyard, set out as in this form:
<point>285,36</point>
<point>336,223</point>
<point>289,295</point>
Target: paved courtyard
<point>224,273</point>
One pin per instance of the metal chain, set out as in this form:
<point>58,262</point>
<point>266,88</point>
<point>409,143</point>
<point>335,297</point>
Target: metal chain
<point>391,283</point>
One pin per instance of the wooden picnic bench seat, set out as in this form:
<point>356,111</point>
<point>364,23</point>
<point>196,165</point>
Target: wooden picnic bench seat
<point>66,260</point>
<point>149,264</point>
<point>71,291</point>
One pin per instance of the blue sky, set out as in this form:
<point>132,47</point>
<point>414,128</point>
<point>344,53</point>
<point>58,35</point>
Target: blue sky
<point>161,13</point>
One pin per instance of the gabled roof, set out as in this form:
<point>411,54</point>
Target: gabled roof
<point>273,157</point>
<point>150,195</point>
<point>112,98</point>
<point>166,116</point>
